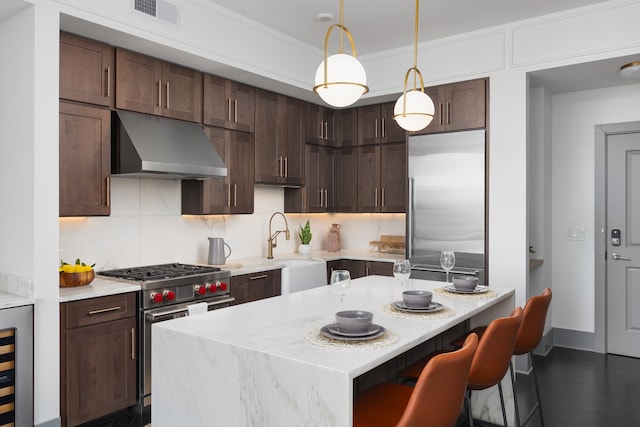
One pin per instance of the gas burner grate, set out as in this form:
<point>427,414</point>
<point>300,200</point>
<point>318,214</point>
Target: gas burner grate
<point>159,271</point>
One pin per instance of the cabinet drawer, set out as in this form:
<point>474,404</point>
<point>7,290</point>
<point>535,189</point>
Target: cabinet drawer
<point>99,310</point>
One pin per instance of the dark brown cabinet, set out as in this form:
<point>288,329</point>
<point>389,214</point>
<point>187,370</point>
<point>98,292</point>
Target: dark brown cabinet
<point>279,134</point>
<point>458,106</point>
<point>232,194</point>
<point>376,125</point>
<point>318,193</point>
<point>98,365</point>
<point>382,178</point>
<point>85,160</point>
<point>346,124</point>
<point>320,125</point>
<point>346,179</point>
<point>87,71</point>
<point>252,287</point>
<point>149,85</point>
<point>360,268</point>
<point>228,104</point>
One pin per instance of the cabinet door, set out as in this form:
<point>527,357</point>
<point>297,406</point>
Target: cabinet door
<point>465,105</point>
<point>87,71</point>
<point>314,191</point>
<point>252,287</point>
<point>290,139</point>
<point>369,125</point>
<point>369,191</point>
<point>356,268</point>
<point>378,268</point>
<point>314,124</point>
<point>268,162</point>
<point>346,179</point>
<point>393,177</point>
<point>436,93</point>
<point>85,160</point>
<point>181,92</point>
<point>327,178</point>
<point>346,124</point>
<point>100,369</point>
<point>139,87</point>
<point>391,131</point>
<point>228,104</point>
<point>240,163</point>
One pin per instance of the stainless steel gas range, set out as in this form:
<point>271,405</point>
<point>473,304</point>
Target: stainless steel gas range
<point>167,292</point>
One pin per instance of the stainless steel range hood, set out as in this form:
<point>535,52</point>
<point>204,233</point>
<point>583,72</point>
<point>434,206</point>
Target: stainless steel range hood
<point>146,146</point>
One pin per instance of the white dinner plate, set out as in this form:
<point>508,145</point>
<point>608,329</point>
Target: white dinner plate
<point>335,330</point>
<point>325,331</point>
<point>432,308</point>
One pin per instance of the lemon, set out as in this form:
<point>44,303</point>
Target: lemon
<point>67,268</point>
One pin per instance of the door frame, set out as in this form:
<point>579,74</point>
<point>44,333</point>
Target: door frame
<point>600,279</point>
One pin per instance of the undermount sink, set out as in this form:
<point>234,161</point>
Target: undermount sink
<point>301,274</point>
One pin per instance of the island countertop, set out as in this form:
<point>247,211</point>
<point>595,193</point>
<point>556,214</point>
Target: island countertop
<point>254,364</point>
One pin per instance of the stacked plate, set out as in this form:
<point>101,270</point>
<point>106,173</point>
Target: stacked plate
<point>333,331</point>
<point>431,308</point>
<point>477,290</point>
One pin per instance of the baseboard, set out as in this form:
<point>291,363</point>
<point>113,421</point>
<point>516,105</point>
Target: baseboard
<point>577,340</point>
<point>51,423</point>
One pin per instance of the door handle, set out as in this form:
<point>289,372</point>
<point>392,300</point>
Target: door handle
<point>618,257</point>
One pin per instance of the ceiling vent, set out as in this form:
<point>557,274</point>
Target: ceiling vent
<point>160,9</point>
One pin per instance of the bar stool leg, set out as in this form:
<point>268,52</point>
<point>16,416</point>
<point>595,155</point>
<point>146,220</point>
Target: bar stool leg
<point>467,401</point>
<point>535,381</point>
<point>515,394</point>
<point>504,411</point>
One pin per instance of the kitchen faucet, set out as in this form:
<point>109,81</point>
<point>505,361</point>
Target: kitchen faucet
<point>271,241</point>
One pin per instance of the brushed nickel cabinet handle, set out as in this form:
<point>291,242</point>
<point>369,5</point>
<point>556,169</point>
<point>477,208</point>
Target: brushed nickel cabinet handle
<point>280,166</point>
<point>168,95</point>
<point>384,128</point>
<point>441,117</point>
<point>229,109</point>
<point>133,343</point>
<point>105,310</point>
<point>229,195</point>
<point>159,93</point>
<point>235,110</point>
<point>383,201</point>
<point>376,124</point>
<point>376,197</point>
<point>108,191</point>
<point>262,276</point>
<point>235,195</point>
<point>320,129</point>
<point>448,113</point>
<point>286,166</point>
<point>326,130</point>
<point>326,198</point>
<point>108,73</point>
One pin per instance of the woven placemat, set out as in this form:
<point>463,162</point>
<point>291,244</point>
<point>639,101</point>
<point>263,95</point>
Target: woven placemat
<point>390,310</point>
<point>484,295</point>
<point>316,338</point>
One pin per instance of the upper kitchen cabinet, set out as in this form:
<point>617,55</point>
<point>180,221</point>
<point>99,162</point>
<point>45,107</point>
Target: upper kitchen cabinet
<point>85,160</point>
<point>320,125</point>
<point>458,106</point>
<point>346,127</point>
<point>382,178</point>
<point>87,71</point>
<point>376,125</point>
<point>318,193</point>
<point>228,104</point>
<point>232,194</point>
<point>279,135</point>
<point>149,85</point>
<point>346,179</point>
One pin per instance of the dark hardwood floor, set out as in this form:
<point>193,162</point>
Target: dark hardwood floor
<point>578,388</point>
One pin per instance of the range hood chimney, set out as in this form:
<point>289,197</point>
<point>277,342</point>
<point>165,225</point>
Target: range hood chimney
<point>145,146</point>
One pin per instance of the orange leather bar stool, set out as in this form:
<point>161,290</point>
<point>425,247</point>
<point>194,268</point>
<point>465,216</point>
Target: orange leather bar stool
<point>491,361</point>
<point>529,336</point>
<point>435,401</point>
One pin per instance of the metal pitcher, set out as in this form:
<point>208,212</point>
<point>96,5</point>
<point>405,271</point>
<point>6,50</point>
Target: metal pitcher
<point>216,251</point>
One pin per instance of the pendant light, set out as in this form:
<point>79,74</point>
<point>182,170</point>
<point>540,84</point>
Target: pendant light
<point>414,109</point>
<point>340,79</point>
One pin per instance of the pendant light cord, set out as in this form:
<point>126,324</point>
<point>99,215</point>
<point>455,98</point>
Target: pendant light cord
<point>415,45</point>
<point>341,24</point>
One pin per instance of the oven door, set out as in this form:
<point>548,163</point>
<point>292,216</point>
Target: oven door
<point>148,318</point>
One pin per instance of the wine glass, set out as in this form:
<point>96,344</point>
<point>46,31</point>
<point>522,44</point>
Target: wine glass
<point>340,284</point>
<point>447,261</point>
<point>402,270</point>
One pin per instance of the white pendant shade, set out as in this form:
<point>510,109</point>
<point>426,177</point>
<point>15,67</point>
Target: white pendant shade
<point>346,80</point>
<point>419,111</point>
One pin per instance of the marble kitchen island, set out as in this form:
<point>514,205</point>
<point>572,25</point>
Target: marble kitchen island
<point>262,363</point>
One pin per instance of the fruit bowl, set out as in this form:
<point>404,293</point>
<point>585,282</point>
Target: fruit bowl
<point>82,278</point>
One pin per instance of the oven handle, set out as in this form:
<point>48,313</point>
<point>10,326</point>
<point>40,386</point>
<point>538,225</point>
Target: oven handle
<point>154,316</point>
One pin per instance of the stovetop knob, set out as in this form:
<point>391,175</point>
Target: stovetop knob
<point>156,297</point>
<point>212,287</point>
<point>200,290</point>
<point>223,286</point>
<point>169,295</point>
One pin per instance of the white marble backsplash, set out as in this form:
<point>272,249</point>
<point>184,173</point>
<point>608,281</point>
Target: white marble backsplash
<point>146,227</point>
<point>16,285</point>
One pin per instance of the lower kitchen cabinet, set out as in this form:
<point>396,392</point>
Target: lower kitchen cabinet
<point>98,360</point>
<point>255,286</point>
<point>359,268</point>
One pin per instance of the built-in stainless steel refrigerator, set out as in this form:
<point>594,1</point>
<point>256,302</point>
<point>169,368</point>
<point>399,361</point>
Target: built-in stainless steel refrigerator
<point>446,209</point>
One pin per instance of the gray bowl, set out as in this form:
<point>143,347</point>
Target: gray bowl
<point>465,283</point>
<point>417,298</point>
<point>354,321</point>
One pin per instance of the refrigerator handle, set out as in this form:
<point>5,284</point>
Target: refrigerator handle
<point>409,230</point>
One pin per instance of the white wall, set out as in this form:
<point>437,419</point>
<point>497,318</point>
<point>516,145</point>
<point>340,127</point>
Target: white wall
<point>575,116</point>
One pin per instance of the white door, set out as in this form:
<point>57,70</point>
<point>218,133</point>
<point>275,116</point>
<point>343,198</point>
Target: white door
<point>623,255</point>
